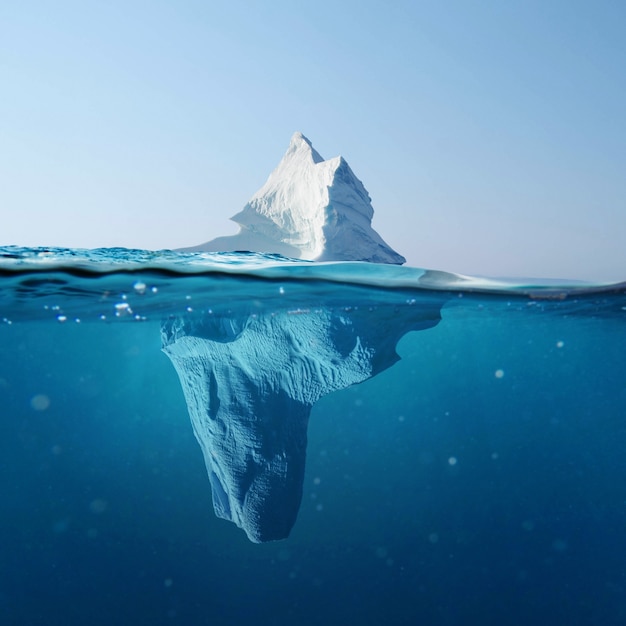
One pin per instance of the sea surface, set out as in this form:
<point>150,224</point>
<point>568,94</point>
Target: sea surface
<point>480,480</point>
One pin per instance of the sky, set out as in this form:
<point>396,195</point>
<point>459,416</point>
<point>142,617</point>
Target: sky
<point>490,135</point>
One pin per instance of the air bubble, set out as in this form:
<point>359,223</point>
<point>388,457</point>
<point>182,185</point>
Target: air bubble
<point>40,402</point>
<point>123,308</point>
<point>98,506</point>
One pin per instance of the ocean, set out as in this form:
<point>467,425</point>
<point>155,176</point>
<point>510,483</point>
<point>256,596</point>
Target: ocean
<point>479,478</point>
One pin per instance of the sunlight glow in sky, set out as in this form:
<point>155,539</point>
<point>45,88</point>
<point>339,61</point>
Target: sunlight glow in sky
<point>491,136</point>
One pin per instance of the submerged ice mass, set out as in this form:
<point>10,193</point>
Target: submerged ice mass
<point>309,208</point>
<point>250,382</point>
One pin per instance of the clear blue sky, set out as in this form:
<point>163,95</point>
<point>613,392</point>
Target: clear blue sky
<point>490,135</point>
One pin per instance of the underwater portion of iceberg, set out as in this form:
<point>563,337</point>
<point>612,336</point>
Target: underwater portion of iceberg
<point>250,381</point>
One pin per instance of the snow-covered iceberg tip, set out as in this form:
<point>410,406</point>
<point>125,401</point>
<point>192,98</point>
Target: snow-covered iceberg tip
<point>308,209</point>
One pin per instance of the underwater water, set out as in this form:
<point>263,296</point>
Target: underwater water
<point>480,479</point>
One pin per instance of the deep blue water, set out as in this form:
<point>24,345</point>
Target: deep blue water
<point>479,480</point>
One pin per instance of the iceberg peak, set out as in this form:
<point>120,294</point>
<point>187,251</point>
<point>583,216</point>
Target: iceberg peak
<point>309,208</point>
<point>300,142</point>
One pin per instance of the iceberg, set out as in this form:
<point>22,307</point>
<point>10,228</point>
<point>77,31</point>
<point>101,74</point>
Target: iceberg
<point>311,209</point>
<point>250,381</point>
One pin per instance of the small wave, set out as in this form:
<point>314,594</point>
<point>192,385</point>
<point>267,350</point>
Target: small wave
<point>99,261</point>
